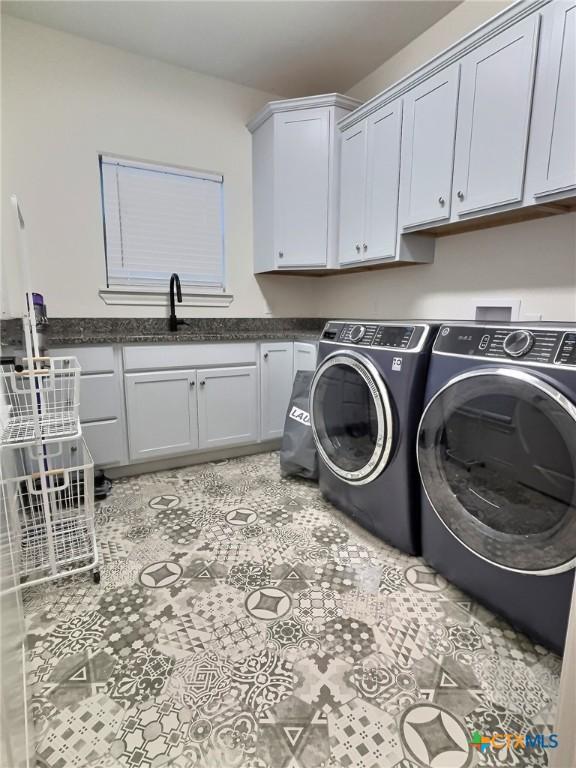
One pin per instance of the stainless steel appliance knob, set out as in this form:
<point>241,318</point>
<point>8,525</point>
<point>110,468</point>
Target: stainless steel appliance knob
<point>518,343</point>
<point>357,333</point>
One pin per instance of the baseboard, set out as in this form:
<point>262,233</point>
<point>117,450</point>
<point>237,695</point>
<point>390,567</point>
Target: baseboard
<point>190,459</point>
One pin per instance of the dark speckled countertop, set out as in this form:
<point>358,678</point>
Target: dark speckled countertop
<point>120,330</point>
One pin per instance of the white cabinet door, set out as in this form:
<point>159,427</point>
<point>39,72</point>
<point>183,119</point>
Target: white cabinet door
<point>227,406</point>
<point>276,376</point>
<point>100,396</point>
<point>304,356</point>
<point>105,441</point>
<point>162,413</point>
<point>554,133</point>
<point>382,179</point>
<point>493,118</point>
<point>428,136</point>
<point>352,193</point>
<point>302,176</point>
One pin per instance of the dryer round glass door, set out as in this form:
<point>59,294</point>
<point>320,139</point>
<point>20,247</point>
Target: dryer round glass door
<point>351,417</point>
<point>497,453</point>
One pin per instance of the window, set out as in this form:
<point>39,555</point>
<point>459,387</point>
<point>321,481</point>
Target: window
<point>159,220</point>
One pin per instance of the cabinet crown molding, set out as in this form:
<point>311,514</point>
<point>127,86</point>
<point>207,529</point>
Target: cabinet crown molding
<point>503,20</point>
<point>307,102</point>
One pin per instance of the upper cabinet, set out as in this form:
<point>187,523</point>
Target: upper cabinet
<point>382,180</point>
<point>552,158</point>
<point>369,178</point>
<point>428,149</point>
<point>352,193</point>
<point>296,153</point>
<point>494,110</point>
<point>485,132</point>
<point>302,187</point>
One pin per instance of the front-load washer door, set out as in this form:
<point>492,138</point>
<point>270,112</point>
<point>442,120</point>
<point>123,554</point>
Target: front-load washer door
<point>497,454</point>
<point>351,417</point>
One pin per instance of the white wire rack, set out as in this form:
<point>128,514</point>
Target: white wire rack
<point>48,496</point>
<point>46,471</point>
<point>43,400</point>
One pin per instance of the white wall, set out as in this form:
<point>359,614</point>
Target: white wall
<point>459,22</point>
<point>66,99</point>
<point>532,261</point>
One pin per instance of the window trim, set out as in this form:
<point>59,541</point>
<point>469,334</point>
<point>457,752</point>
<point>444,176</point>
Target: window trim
<point>156,295</point>
<point>128,296</point>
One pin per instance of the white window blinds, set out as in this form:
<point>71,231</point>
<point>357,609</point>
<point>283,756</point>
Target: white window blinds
<point>160,220</point>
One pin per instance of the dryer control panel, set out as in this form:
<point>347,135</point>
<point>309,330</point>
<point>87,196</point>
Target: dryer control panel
<point>382,335</point>
<point>541,345</point>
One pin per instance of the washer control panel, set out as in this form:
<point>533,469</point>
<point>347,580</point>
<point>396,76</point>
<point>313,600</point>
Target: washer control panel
<point>548,346</point>
<point>374,334</point>
<point>566,354</point>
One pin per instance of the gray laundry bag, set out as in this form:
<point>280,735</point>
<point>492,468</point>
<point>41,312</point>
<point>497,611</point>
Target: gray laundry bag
<point>298,454</point>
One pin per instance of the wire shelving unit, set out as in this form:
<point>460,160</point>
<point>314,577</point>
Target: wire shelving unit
<point>47,473</point>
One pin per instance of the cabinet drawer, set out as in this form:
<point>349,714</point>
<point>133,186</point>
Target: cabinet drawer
<point>96,359</point>
<point>99,397</point>
<point>148,357</point>
<point>105,440</point>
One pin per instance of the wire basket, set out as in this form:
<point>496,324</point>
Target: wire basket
<point>43,400</point>
<point>48,493</point>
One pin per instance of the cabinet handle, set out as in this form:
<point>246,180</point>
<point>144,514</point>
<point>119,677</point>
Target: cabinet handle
<point>365,247</point>
<point>441,200</point>
<point>280,254</point>
<point>357,248</point>
<point>265,355</point>
<point>192,383</point>
<point>202,383</point>
<point>460,194</point>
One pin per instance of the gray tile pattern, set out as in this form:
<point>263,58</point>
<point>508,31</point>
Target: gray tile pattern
<point>242,622</point>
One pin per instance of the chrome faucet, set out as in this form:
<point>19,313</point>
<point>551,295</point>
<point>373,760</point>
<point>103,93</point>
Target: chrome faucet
<point>173,321</point>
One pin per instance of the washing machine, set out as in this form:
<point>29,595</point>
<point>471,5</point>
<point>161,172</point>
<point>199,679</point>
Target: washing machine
<point>365,403</point>
<point>496,453</point>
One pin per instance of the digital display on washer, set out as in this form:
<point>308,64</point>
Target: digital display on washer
<point>396,336</point>
<point>463,340</point>
<point>567,352</point>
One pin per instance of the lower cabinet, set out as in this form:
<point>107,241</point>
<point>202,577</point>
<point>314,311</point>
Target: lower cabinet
<point>276,375</point>
<point>101,401</point>
<point>162,413</point>
<point>304,356</point>
<point>171,411</point>
<point>106,441</point>
<point>227,406</point>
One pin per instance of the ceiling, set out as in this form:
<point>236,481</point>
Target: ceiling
<point>285,47</point>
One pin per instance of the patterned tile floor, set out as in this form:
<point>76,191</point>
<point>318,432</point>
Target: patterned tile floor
<point>243,622</point>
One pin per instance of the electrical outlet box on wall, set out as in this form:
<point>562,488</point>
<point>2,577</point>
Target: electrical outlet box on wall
<point>497,310</point>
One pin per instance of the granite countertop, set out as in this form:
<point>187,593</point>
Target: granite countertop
<point>64,332</point>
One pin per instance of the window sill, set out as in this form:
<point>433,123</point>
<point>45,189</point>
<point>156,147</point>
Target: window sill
<point>156,297</point>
